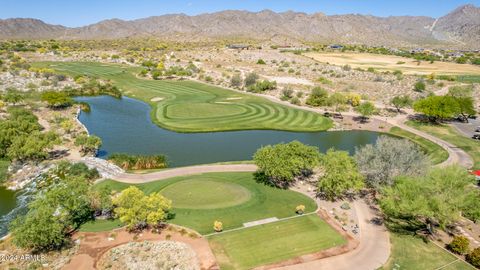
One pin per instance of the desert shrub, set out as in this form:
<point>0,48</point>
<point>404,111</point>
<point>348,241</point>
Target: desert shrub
<point>262,86</point>
<point>460,245</point>
<point>138,162</point>
<point>474,257</point>
<point>287,93</point>
<point>419,86</point>
<point>318,97</point>
<point>217,226</point>
<point>295,101</point>
<point>324,80</point>
<point>300,209</point>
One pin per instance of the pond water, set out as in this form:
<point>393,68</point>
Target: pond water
<point>11,204</point>
<point>124,125</point>
<point>7,200</point>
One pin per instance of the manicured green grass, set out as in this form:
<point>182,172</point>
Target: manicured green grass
<point>412,253</point>
<point>189,106</point>
<point>193,194</point>
<point>451,135</point>
<point>101,225</point>
<point>468,78</point>
<point>273,242</point>
<point>434,151</point>
<point>3,169</point>
<point>264,201</point>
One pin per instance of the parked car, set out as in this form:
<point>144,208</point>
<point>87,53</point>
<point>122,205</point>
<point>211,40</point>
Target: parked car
<point>327,114</point>
<point>476,137</point>
<point>477,129</point>
<point>338,116</point>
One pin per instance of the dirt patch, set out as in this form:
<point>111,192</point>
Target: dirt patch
<point>350,122</point>
<point>392,62</point>
<point>94,245</point>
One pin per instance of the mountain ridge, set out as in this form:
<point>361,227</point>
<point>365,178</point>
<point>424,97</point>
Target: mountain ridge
<point>461,27</point>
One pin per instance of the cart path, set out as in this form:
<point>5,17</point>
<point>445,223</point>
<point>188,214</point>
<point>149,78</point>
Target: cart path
<point>455,154</point>
<point>132,178</point>
<point>372,252</point>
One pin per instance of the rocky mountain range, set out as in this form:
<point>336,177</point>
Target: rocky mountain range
<point>459,28</point>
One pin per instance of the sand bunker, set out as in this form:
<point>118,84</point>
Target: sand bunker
<point>156,99</point>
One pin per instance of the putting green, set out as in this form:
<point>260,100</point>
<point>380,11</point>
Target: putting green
<point>189,106</point>
<point>232,198</point>
<point>201,110</point>
<point>205,194</point>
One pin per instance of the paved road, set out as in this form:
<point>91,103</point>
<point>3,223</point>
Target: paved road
<point>131,178</point>
<point>467,129</point>
<point>372,253</point>
<point>374,249</point>
<point>455,154</point>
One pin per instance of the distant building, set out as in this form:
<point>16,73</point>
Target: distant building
<point>335,46</point>
<point>417,50</point>
<point>456,54</point>
<point>239,46</point>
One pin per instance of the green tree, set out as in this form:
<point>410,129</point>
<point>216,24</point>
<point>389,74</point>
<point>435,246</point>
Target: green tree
<point>461,91</point>
<point>437,107</point>
<point>56,99</point>
<point>19,122</point>
<point>39,230</point>
<point>101,201</point>
<point>57,211</point>
<point>340,175</point>
<point>466,107</point>
<point>336,100</point>
<point>366,109</point>
<point>88,144</point>
<point>388,158</point>
<point>281,163</point>
<point>318,97</point>
<point>436,199</point>
<point>32,147</point>
<point>401,102</point>
<point>137,210</point>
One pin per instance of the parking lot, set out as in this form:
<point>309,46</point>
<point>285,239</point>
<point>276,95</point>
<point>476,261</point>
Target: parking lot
<point>467,129</point>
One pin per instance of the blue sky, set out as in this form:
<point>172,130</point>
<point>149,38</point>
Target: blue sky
<point>83,12</point>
